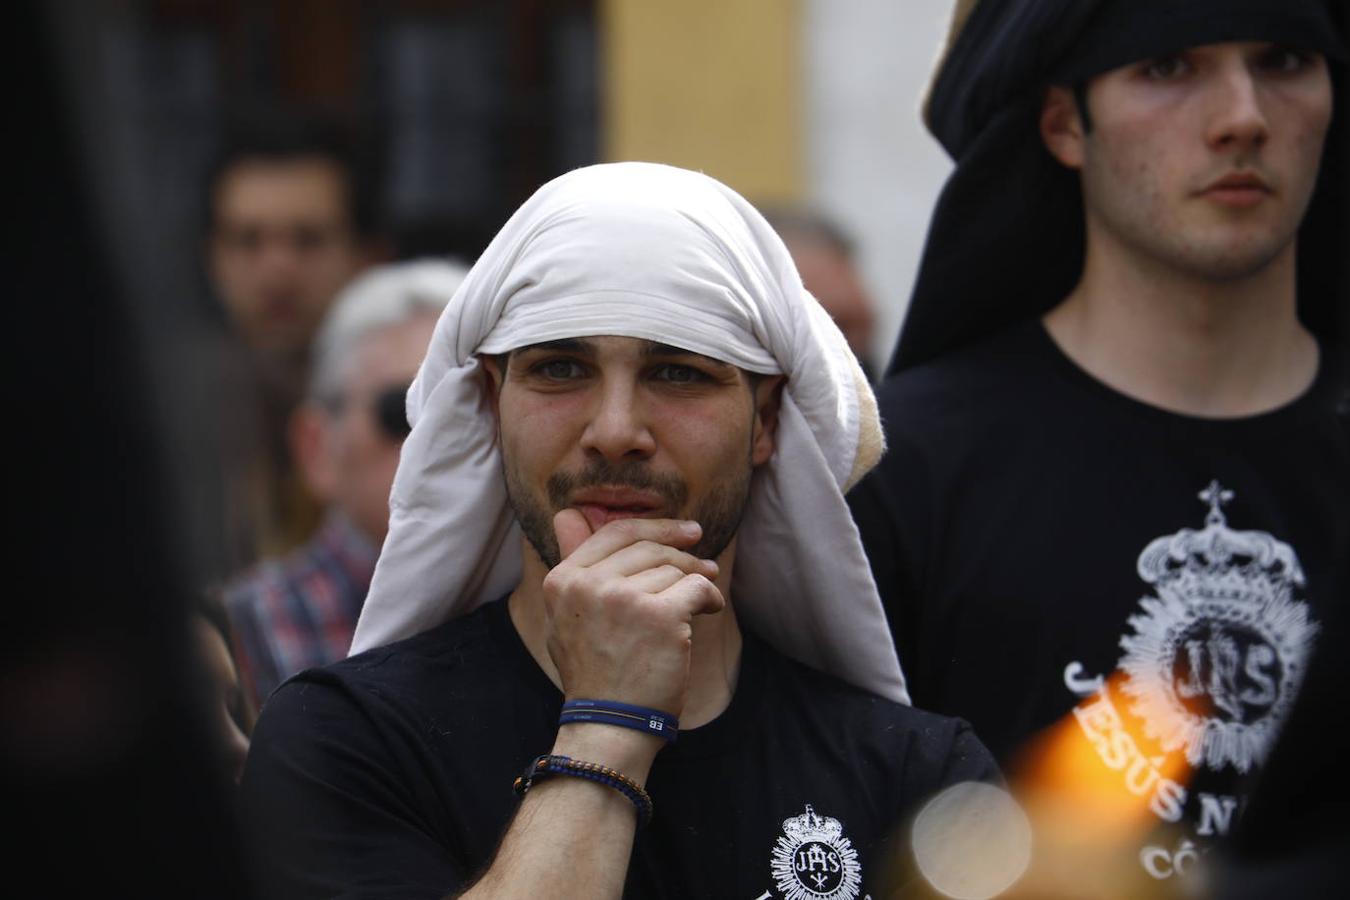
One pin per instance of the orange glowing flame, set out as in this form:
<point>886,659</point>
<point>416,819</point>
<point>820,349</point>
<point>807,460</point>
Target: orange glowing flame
<point>1092,774</point>
<point>1094,786</point>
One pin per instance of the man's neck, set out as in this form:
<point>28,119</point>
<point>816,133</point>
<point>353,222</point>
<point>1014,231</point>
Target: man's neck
<point>716,655</point>
<point>1214,349</point>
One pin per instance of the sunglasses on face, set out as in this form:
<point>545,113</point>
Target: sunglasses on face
<point>391,412</point>
<point>389,407</point>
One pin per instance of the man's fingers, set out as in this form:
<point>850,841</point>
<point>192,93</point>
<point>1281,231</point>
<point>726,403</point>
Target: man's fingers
<point>644,555</point>
<point>696,595</point>
<point>654,581</point>
<point>621,533</point>
<point>572,530</point>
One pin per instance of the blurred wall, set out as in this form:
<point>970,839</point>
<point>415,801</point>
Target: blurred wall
<point>813,101</point>
<point>712,85</point>
<point>870,163</point>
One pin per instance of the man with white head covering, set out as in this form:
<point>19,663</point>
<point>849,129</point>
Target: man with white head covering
<point>634,426</point>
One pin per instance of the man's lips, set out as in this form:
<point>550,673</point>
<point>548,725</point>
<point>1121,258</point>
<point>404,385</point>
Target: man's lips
<point>602,505</point>
<point>281,308</point>
<point>1238,189</point>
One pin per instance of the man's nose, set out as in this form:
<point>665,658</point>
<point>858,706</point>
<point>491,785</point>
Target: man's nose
<point>277,254</point>
<point>619,428</point>
<point>1237,115</point>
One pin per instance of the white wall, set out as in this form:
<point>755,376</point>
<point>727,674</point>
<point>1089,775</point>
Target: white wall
<point>870,164</point>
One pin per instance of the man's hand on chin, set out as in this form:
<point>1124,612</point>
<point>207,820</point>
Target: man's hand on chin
<point>619,608</point>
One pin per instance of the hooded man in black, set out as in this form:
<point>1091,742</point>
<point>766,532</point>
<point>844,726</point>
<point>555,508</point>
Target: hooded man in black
<point>1112,520</point>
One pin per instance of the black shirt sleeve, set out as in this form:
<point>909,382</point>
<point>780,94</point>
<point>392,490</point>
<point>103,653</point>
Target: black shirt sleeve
<point>969,760</point>
<point>327,807</point>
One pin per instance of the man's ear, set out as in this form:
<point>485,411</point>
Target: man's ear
<point>1062,127</point>
<point>311,439</point>
<point>494,375</point>
<point>768,398</point>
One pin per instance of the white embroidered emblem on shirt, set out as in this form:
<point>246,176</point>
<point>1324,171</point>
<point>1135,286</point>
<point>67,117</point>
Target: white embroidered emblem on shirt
<point>812,860</point>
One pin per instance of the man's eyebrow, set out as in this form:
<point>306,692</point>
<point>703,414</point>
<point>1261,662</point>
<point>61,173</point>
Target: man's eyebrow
<point>562,345</point>
<point>656,348</point>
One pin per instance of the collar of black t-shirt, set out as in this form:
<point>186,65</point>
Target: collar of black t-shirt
<point>1317,397</point>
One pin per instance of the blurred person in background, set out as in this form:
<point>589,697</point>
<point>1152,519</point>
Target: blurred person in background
<point>291,219</point>
<point>299,610</point>
<point>824,256</point>
<point>1112,518</point>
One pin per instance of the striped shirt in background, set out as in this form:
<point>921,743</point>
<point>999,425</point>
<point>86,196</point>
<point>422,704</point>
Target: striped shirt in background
<point>299,611</point>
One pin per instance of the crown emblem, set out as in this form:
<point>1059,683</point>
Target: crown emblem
<point>811,826</point>
<point>1218,561</point>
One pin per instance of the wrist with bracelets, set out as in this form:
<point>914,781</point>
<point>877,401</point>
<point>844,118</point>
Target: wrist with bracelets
<point>547,765</point>
<point>604,712</point>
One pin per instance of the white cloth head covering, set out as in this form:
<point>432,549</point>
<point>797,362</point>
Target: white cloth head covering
<point>654,252</point>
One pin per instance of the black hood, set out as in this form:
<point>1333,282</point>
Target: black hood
<point>1005,243</point>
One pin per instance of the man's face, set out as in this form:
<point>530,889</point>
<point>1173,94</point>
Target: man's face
<point>282,245</point>
<point>619,427</point>
<point>1203,162</point>
<point>359,456</point>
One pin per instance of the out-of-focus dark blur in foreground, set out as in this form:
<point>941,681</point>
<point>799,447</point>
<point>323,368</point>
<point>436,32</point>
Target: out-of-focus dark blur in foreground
<point>111,785</point>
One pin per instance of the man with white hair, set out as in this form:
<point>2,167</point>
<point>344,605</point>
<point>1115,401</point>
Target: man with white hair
<point>618,518</point>
<point>294,612</point>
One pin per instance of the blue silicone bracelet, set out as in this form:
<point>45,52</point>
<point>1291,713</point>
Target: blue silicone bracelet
<point>625,715</point>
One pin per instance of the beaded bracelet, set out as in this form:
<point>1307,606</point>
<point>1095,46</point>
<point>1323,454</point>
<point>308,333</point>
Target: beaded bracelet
<point>626,715</point>
<point>546,765</point>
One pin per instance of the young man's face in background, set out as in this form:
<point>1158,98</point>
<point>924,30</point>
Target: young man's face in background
<point>282,245</point>
<point>1204,161</point>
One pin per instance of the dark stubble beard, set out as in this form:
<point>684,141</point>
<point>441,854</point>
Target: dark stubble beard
<point>719,512</point>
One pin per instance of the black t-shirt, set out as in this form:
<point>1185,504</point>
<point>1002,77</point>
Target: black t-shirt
<point>389,774</point>
<point>1033,532</point>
